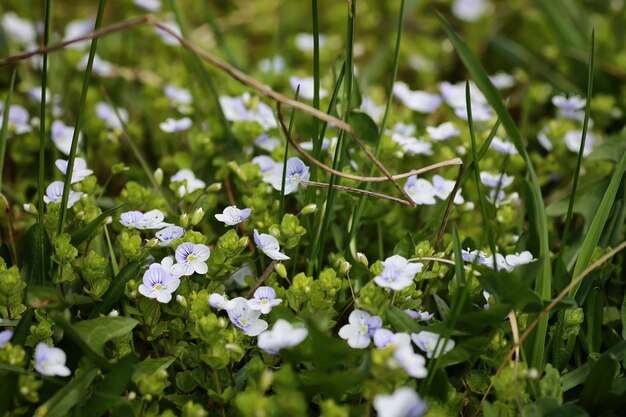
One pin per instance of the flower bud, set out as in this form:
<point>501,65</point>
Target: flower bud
<point>344,267</point>
<point>266,380</point>
<point>281,270</point>
<point>215,187</point>
<point>114,313</point>
<point>158,176</point>
<point>132,395</point>
<point>181,300</point>
<point>362,258</point>
<point>152,243</point>
<point>109,220</point>
<point>309,209</point>
<point>184,220</point>
<point>197,216</point>
<point>30,208</point>
<point>532,373</point>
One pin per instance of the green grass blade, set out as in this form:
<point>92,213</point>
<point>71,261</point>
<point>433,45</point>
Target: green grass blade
<point>316,66</point>
<point>5,125</point>
<point>60,404</point>
<point>79,120</point>
<point>559,20</point>
<point>543,283</point>
<point>81,235</point>
<point>579,162</point>
<point>282,184</point>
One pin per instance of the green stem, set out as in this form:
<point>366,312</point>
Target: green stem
<point>5,125</point>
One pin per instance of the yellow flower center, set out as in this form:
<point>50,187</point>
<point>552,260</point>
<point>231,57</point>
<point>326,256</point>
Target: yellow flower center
<point>158,287</point>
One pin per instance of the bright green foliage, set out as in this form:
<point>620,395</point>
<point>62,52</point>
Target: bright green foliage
<point>11,292</point>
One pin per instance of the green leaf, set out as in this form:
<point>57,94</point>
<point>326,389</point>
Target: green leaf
<point>593,314</point>
<point>116,289</point>
<point>71,394</point>
<point>150,366</point>
<point>113,385</point>
<point>598,383</point>
<point>577,376</point>
<point>364,127</point>
<point>82,234</point>
<point>402,322</point>
<point>37,265</point>
<point>97,332</point>
<point>78,340</point>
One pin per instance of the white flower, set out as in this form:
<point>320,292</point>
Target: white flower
<point>239,276</point>
<point>166,37</point>
<point>304,41</point>
<point>443,131</point>
<point>80,171</point>
<point>444,187</point>
<point>296,171</point>
<point>454,94</point>
<point>385,337</point>
<point>19,119</point>
<point>544,140</point>
<point>149,5</point>
<point>242,316</point>
<point>520,259</point>
<point>502,80</point>
<point>267,143</point>
<point>573,139</point>
<point>419,315</point>
<point>420,190</point>
<point>269,246</point>
<point>76,29</point>
<point>54,194</point>
<point>503,146</point>
<point>570,108</point>
<point>413,146</point>
<point>404,402</point>
<point>131,219</point>
<point>488,298</point>
<point>245,109</point>
<point>158,283</point>
<point>360,328</point>
<point>168,234</point>
<point>62,136</point>
<point>100,66</point>
<point>374,111</point>
<point>428,342</point>
<point>283,335</point>
<point>496,180</point>
<point>192,183</point>
<point>480,112</point>
<point>412,363</point>
<point>180,97</point>
<point>107,114</point>
<point>307,87</point>
<point>501,264</point>
<point>232,215</point>
<point>219,301</point>
<point>475,256</point>
<point>275,64</point>
<point>50,361</point>
<point>20,30</point>
<point>191,258</point>
<point>419,101</point>
<point>265,163</point>
<point>153,219</point>
<point>264,300</point>
<point>5,337</point>
<point>398,273</point>
<point>470,10</point>
<point>171,125</point>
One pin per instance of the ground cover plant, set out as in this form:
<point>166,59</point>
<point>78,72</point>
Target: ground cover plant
<point>280,208</point>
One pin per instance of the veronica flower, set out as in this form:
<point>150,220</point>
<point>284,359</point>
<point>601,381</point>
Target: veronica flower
<point>20,30</point>
<point>444,187</point>
<point>412,363</point>
<point>470,10</point>
<point>168,264</point>
<point>398,273</point>
<point>247,319</point>
<point>520,259</point>
<point>158,283</point>
<point>375,111</point>
<point>54,194</point>
<point>34,94</point>
<point>50,361</point>
<point>428,341</point>
<point>474,256</point>
<point>419,315</point>
<point>192,183</point>
<point>149,5</point>
<point>570,108</point>
<point>360,329</point>
<point>274,65</point>
<point>480,112</point>
<point>501,264</point>
<point>76,29</point>
<point>496,180</point>
<point>419,101</point>
<point>131,219</point>
<point>264,162</point>
<point>153,219</point>
<point>454,94</point>
<point>403,402</point>
<point>403,129</point>
<point>178,96</point>
<point>326,144</point>
<point>171,125</point>
<point>443,131</point>
<point>296,171</point>
<point>19,119</point>
<point>239,276</point>
<point>573,139</point>
<point>219,301</point>
<point>413,146</point>
<point>385,337</point>
<point>108,115</point>
<point>283,335</point>
<point>267,143</point>
<point>501,198</point>
<point>80,171</point>
<point>307,87</point>
<point>269,246</point>
<point>502,80</point>
<point>264,300</point>
<point>168,234</point>
<point>304,41</point>
<point>232,215</point>
<point>245,109</point>
<point>503,146</point>
<point>420,190</point>
<point>62,136</point>
<point>5,337</point>
<point>166,37</point>
<point>544,140</point>
<point>100,66</point>
<point>191,258</point>
<point>488,298</point>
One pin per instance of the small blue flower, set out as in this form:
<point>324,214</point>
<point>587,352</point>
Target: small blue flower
<point>404,402</point>
<point>398,273</point>
<point>50,361</point>
<point>264,300</point>
<point>247,319</point>
<point>269,246</point>
<point>191,258</point>
<point>168,234</point>
<point>360,329</point>
<point>5,337</point>
<point>283,335</point>
<point>232,215</point>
